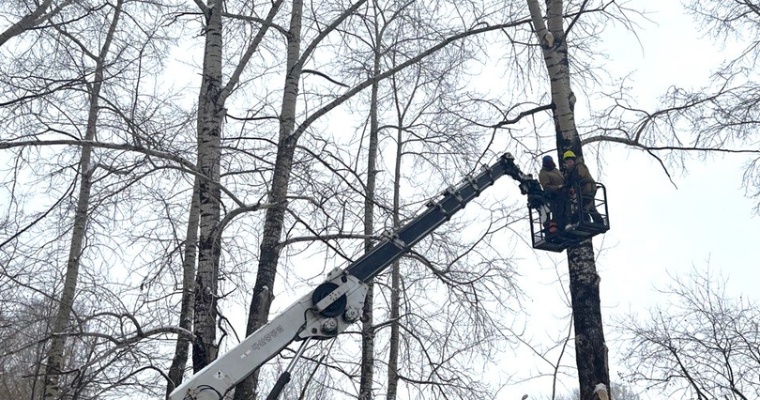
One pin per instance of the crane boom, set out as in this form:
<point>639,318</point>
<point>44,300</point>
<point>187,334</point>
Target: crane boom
<point>337,303</point>
<point>454,199</point>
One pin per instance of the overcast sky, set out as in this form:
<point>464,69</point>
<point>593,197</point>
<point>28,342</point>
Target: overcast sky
<point>657,229</point>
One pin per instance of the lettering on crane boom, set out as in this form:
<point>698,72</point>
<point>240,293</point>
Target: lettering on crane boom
<point>256,346</point>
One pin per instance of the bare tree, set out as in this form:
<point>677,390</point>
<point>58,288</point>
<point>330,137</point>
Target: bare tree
<point>290,134</point>
<point>717,119</point>
<point>84,81</point>
<point>714,120</point>
<point>418,123</point>
<point>148,176</point>
<point>702,345</point>
<point>368,330</point>
<point>211,112</point>
<point>54,364</point>
<point>416,110</point>
<point>181,350</point>
<point>590,346</point>
<point>38,14</point>
<point>426,134</point>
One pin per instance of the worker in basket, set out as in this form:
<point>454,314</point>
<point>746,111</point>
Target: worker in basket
<point>553,183</point>
<point>577,175</point>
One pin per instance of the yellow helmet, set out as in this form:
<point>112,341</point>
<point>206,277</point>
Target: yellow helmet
<point>568,154</point>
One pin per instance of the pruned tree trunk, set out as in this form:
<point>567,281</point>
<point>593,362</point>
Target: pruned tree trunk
<point>261,302</point>
<point>551,37</point>
<point>60,322</point>
<point>210,115</point>
<point>181,350</point>
<point>590,347</point>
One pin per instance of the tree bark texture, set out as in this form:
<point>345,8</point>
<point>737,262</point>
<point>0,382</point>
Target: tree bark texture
<point>181,351</point>
<point>552,38</point>
<point>258,313</point>
<point>590,349</point>
<point>60,322</point>
<point>211,113</point>
<point>210,116</point>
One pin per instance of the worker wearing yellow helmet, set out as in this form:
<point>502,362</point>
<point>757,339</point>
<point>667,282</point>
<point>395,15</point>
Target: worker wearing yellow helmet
<point>577,174</point>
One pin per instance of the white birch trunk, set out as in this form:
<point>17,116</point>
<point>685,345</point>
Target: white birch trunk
<point>590,347</point>
<point>210,115</point>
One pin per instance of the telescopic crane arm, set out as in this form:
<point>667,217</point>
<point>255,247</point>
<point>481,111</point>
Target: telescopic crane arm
<point>337,303</point>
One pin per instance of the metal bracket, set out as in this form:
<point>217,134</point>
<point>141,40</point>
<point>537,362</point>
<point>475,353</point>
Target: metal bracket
<point>319,326</point>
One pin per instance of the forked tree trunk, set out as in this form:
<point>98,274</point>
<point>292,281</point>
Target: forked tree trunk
<point>60,322</point>
<point>590,347</point>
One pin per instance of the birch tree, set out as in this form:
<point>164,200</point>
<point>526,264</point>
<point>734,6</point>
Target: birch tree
<point>209,130</point>
<point>211,112</point>
<point>717,119</point>
<point>271,245</point>
<point>269,165</point>
<point>590,346</point>
<point>88,64</point>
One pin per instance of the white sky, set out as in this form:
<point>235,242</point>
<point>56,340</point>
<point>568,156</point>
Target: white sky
<point>656,229</point>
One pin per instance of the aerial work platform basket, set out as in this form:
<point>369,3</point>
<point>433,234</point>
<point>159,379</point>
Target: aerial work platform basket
<point>581,217</point>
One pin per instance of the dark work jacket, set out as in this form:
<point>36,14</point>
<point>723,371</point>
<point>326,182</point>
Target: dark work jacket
<point>551,180</point>
<point>579,174</point>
